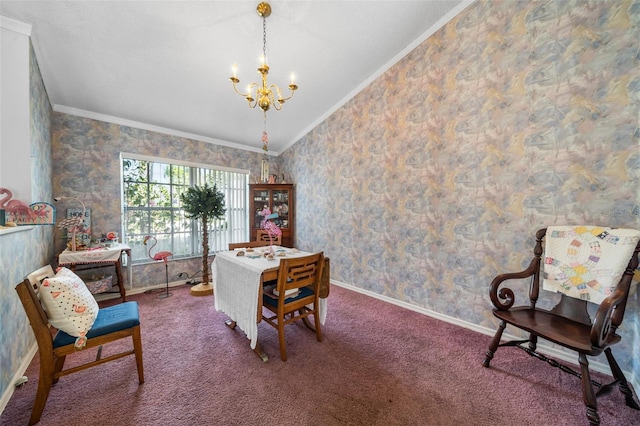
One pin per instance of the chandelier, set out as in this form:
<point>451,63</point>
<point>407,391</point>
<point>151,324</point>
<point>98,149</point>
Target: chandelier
<point>263,94</point>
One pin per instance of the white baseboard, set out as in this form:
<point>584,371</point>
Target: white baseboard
<point>8,393</point>
<point>116,295</point>
<point>556,353</point>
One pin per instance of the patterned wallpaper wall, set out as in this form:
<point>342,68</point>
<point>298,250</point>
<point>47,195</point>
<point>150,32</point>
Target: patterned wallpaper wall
<point>512,117</point>
<point>26,251</point>
<point>86,156</point>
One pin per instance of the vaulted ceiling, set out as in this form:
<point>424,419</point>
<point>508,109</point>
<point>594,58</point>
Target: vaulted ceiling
<point>165,65</point>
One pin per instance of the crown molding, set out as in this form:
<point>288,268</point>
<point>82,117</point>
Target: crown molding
<point>154,128</point>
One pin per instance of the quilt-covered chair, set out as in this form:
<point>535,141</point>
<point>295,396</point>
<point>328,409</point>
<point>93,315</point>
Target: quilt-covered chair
<point>586,264</point>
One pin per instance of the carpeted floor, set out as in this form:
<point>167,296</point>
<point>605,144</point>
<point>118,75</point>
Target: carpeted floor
<point>379,364</point>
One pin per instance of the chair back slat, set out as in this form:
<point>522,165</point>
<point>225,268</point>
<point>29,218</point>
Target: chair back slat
<point>263,235</point>
<point>300,272</point>
<point>301,275</point>
<point>573,309</point>
<point>248,244</point>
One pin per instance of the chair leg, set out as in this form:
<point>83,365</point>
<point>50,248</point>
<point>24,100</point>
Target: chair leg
<point>58,366</point>
<point>137,347</point>
<point>622,381</point>
<point>318,326</point>
<point>588,395</point>
<point>44,386</point>
<point>493,347</point>
<point>283,347</point>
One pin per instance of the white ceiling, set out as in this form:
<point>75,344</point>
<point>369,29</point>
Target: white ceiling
<point>165,65</point>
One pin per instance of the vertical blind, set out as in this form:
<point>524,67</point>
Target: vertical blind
<point>151,191</point>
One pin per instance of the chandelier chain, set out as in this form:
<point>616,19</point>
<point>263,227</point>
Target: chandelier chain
<point>264,39</point>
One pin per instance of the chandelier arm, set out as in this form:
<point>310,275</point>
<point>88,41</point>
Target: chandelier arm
<point>244,95</point>
<point>281,99</point>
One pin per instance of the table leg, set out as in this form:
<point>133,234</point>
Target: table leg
<point>120,280</point>
<point>258,350</point>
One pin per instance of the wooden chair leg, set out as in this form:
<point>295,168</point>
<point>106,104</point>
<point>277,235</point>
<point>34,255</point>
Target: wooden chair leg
<point>283,347</point>
<point>622,381</point>
<point>318,327</point>
<point>137,347</point>
<point>493,347</point>
<point>44,386</point>
<point>58,365</point>
<point>587,392</point>
<point>533,342</point>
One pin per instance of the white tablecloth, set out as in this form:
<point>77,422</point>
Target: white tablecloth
<point>101,255</point>
<point>236,286</point>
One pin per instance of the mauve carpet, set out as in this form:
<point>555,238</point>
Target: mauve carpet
<point>379,364</point>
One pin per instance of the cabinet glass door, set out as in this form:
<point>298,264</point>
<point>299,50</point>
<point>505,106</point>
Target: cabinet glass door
<point>260,202</point>
<point>280,205</point>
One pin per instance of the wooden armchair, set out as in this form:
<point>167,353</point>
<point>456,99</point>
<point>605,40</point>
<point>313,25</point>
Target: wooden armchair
<point>112,323</point>
<point>263,235</point>
<point>300,275</point>
<point>568,324</point>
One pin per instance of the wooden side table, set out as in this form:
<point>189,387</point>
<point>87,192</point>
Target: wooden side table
<point>98,258</point>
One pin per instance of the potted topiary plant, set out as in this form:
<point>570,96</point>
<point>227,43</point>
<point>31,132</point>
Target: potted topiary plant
<point>205,203</point>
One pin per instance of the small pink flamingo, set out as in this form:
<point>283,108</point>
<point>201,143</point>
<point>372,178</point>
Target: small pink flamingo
<point>271,228</point>
<point>161,255</point>
<point>15,206</point>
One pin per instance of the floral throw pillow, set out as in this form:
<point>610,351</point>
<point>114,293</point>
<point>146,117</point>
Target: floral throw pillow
<point>69,305</point>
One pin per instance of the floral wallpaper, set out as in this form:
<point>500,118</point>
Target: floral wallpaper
<point>512,117</point>
<point>26,251</point>
<point>86,156</point>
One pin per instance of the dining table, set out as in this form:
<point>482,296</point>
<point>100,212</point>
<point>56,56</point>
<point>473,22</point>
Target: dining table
<point>238,279</point>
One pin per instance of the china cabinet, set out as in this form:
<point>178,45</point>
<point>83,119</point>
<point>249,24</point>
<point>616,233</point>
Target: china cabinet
<point>280,199</point>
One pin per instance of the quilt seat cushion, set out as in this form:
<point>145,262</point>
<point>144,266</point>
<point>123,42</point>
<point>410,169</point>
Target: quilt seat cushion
<point>109,319</point>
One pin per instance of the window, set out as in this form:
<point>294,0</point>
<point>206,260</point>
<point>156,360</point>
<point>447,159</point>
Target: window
<point>151,191</point>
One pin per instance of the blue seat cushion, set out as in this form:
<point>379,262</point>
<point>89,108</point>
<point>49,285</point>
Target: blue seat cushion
<point>304,292</point>
<point>110,319</point>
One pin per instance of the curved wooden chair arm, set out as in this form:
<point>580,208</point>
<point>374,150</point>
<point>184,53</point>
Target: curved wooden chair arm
<point>504,298</point>
<point>611,311</point>
<point>602,323</point>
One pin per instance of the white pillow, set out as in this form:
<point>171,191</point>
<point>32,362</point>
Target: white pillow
<point>69,305</point>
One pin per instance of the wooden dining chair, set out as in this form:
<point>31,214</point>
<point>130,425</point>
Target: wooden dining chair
<point>296,296</point>
<point>584,263</point>
<point>263,235</point>
<point>112,323</point>
<point>248,244</point>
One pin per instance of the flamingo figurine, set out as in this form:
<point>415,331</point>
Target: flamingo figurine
<point>161,255</point>
<point>17,208</point>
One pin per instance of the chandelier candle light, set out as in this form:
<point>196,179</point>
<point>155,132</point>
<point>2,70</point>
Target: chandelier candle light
<point>264,93</point>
